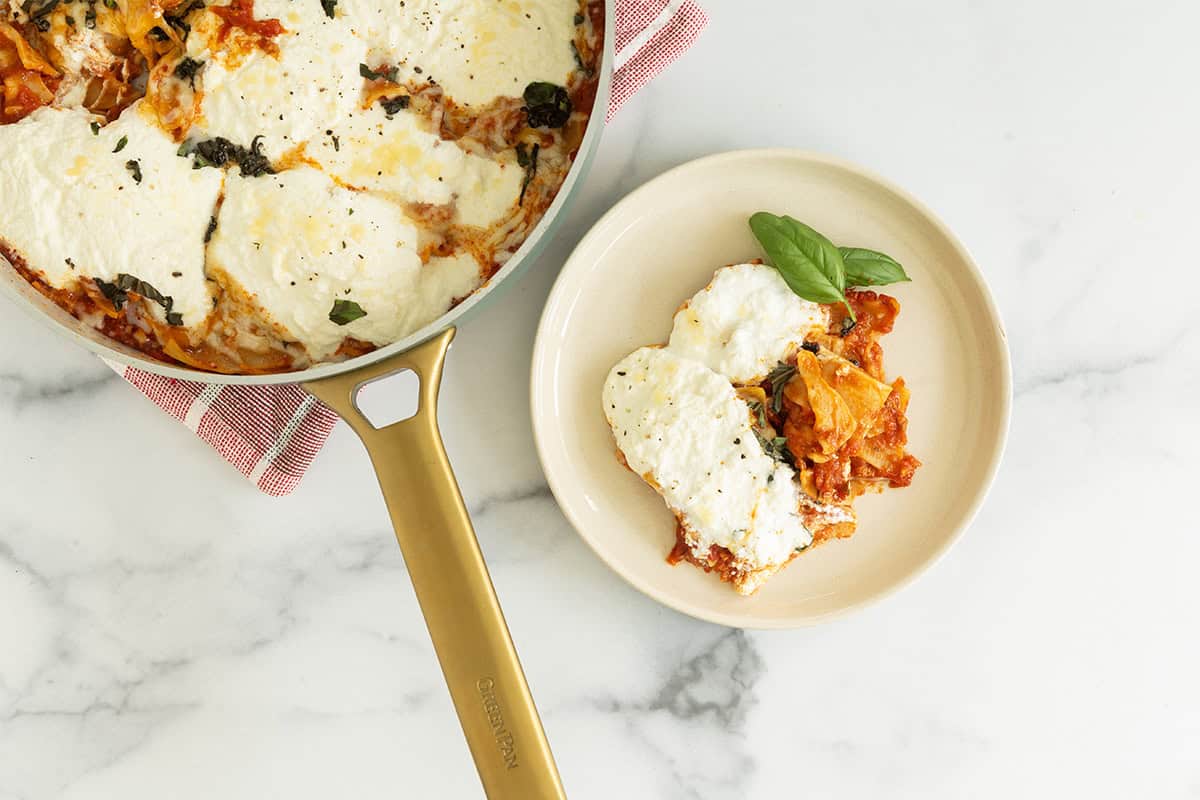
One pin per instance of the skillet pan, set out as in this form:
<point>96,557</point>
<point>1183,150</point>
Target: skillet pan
<point>451,580</point>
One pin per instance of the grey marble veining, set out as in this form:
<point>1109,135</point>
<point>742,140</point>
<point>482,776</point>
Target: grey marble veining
<point>167,632</point>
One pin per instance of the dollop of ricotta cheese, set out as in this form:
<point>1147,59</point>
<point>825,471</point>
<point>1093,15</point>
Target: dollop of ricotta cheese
<point>477,51</point>
<point>744,322</point>
<point>683,428</point>
<point>73,207</point>
<point>398,158</point>
<point>296,242</point>
<point>312,83</point>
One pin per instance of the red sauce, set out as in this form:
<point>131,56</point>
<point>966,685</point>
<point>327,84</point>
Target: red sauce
<point>17,98</point>
<point>240,15</point>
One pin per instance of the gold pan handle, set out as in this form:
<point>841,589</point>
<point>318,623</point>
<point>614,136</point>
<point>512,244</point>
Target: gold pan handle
<point>451,580</point>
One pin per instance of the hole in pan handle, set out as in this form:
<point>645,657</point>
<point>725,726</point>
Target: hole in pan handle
<point>451,580</point>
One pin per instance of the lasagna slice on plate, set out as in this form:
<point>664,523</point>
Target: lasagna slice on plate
<point>761,420</point>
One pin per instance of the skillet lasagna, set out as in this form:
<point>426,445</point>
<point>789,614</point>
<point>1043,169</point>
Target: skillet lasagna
<point>762,420</point>
<point>253,186</point>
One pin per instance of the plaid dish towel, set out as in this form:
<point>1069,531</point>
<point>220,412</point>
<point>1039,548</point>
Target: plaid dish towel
<point>271,434</point>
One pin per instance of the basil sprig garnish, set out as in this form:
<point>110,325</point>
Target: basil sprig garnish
<point>814,267</point>
<point>345,311</point>
<point>870,268</point>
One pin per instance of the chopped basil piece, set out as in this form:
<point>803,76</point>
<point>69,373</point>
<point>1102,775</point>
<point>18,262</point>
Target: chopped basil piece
<point>158,34</point>
<point>111,293</point>
<point>345,312</point>
<point>392,105</point>
<point>847,325</point>
<point>529,160</point>
<point>130,283</point>
<point>178,20</point>
<point>135,169</point>
<point>118,292</point>
<point>584,68</point>
<point>547,105</point>
<point>389,73</point>
<point>186,70</point>
<point>579,19</point>
<point>253,162</point>
<point>212,228</point>
<point>95,129</point>
<point>776,447</point>
<point>89,18</point>
<point>759,412</point>
<point>124,140</point>
<point>811,347</point>
<point>220,151</point>
<point>110,3</point>
<point>329,6</point>
<point>779,378</point>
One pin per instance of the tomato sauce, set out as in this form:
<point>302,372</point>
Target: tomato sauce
<point>240,15</point>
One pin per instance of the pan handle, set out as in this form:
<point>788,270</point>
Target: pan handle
<point>451,580</point>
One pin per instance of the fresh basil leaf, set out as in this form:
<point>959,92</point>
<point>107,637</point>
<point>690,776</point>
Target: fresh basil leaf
<point>124,140</point>
<point>808,262</point>
<point>345,311</point>
<point>870,268</point>
<point>328,7</point>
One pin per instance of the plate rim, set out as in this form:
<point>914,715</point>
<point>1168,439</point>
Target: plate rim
<point>540,362</point>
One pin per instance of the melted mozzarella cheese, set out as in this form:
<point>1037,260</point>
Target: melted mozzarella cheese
<point>297,242</point>
<point>73,209</point>
<point>311,84</point>
<point>397,157</point>
<point>744,322</point>
<point>683,427</point>
<point>476,51</point>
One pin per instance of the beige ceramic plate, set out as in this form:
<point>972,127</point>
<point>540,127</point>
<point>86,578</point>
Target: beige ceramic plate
<point>659,245</point>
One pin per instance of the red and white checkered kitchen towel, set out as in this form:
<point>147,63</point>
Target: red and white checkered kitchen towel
<point>272,433</point>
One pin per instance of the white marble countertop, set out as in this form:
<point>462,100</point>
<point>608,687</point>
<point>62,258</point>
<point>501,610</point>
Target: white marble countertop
<point>180,635</point>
